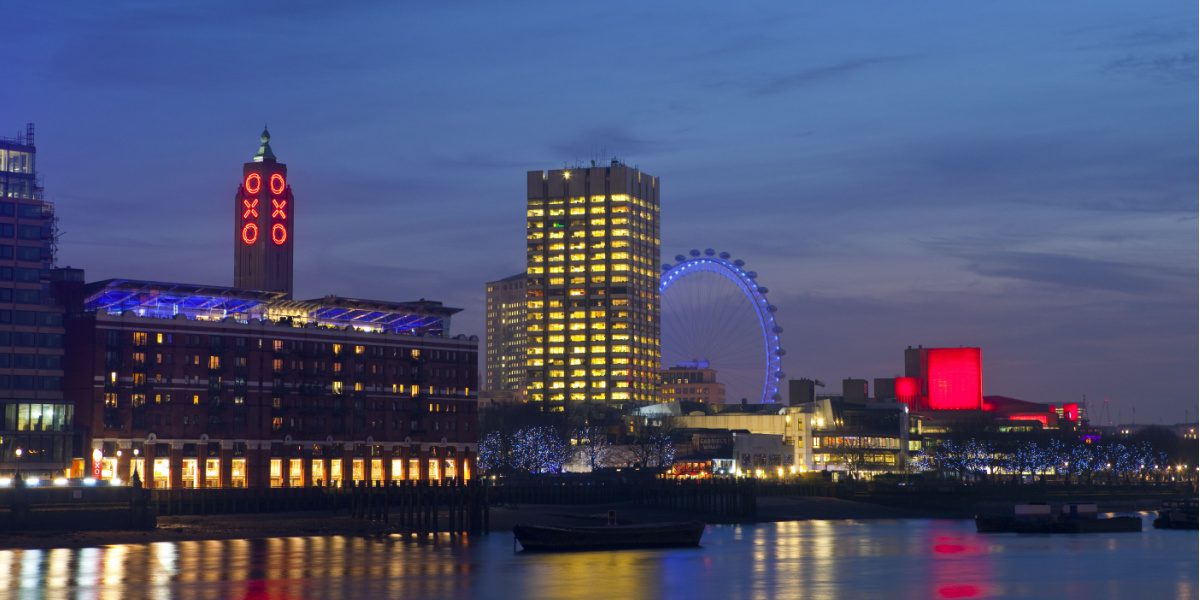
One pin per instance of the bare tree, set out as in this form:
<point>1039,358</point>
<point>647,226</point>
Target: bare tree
<point>592,446</point>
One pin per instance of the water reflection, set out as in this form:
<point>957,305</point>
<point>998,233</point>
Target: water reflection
<point>785,561</point>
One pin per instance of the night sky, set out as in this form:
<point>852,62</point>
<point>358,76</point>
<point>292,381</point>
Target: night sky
<point>1020,176</point>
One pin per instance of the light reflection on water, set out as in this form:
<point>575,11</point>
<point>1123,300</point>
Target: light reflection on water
<point>806,559</point>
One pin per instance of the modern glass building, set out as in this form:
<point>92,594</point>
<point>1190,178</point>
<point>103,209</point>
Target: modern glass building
<point>592,241</point>
<point>35,431</point>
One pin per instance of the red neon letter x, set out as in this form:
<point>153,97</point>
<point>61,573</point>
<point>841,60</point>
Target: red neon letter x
<point>250,208</point>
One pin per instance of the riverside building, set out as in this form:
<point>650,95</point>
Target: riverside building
<point>692,382</point>
<point>592,312</point>
<point>504,372</point>
<point>36,432</point>
<point>209,386</point>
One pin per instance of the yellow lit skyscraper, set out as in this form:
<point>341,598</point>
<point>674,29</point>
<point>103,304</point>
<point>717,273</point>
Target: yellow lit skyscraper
<point>592,315</point>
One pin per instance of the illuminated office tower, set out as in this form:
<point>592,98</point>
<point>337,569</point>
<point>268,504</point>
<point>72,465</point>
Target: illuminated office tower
<point>505,369</point>
<point>36,433</point>
<point>592,311</point>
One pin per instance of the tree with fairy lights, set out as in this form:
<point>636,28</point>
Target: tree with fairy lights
<point>495,453</point>
<point>539,449</point>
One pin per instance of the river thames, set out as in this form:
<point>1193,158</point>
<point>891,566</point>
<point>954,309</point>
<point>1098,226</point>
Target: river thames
<point>898,559</point>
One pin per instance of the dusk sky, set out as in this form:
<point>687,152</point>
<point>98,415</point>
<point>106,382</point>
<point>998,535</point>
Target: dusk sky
<point>1019,176</point>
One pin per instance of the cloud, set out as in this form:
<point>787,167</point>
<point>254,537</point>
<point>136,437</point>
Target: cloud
<point>1168,67</point>
<point>1075,271</point>
<point>607,141</point>
<point>782,83</point>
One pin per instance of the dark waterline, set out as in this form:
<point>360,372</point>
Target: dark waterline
<point>805,559</point>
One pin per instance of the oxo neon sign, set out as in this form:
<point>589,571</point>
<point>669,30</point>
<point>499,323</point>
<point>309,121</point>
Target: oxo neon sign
<point>279,208</point>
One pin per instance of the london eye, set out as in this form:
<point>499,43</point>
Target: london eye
<point>714,311</point>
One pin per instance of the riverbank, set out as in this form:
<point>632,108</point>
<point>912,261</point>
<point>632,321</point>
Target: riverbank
<point>209,527</point>
<point>770,509</point>
<point>502,518</point>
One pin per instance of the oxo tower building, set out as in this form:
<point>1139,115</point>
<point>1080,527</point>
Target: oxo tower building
<point>263,233</point>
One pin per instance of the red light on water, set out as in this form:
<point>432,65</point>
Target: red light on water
<point>958,590</point>
<point>949,548</point>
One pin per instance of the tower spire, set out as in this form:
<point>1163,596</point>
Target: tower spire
<point>264,153</point>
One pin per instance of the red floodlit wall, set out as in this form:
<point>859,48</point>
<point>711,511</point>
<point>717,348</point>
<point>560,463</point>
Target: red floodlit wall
<point>1071,411</point>
<point>1043,419</point>
<point>954,377</point>
<point>908,390</point>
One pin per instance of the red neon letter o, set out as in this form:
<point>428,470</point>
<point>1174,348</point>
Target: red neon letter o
<point>278,234</point>
<point>253,183</point>
<point>277,184</point>
<point>249,234</point>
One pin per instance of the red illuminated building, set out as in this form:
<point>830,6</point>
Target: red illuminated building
<point>949,381</point>
<point>949,378</point>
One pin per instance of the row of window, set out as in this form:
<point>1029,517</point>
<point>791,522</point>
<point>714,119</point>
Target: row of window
<point>31,340</point>
<point>22,274</point>
<point>38,417</point>
<point>21,296</point>
<point>142,338</point>
<point>856,442</point>
<point>17,187</point>
<point>21,232</point>
<point>25,211</point>
<point>30,361</point>
<point>30,317</point>
<point>16,161</point>
<point>30,382</point>
<point>28,253</point>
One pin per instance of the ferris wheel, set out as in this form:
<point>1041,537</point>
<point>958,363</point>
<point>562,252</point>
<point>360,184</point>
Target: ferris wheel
<point>715,312</point>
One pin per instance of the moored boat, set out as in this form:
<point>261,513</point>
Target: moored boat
<point>1041,518</point>
<point>544,538</point>
<point>1178,514</point>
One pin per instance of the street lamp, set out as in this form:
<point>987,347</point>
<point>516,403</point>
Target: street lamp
<point>19,452</point>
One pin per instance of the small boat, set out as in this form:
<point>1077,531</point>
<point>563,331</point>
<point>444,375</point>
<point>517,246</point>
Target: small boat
<point>1040,518</point>
<point>1178,514</point>
<point>544,538</point>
